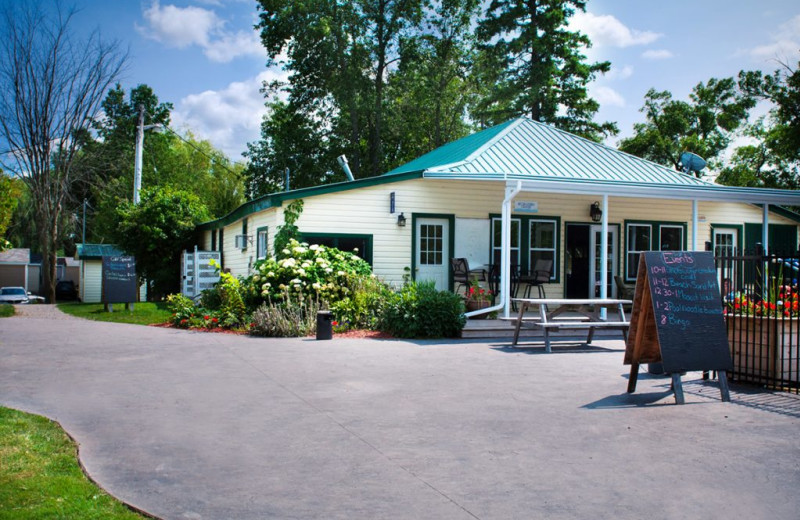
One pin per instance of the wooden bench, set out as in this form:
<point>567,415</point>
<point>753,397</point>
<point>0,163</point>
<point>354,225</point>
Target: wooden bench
<point>589,317</point>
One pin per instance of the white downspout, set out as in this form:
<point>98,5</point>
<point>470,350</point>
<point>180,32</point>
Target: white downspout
<point>694,225</point>
<point>505,256</point>
<point>765,229</point>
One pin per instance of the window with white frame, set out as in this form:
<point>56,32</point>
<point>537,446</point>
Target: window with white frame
<point>651,236</point>
<point>639,240</point>
<point>497,234</point>
<point>542,242</point>
<point>262,243</point>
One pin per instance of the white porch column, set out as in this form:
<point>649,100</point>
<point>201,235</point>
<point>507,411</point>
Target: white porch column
<point>765,228</point>
<point>604,251</point>
<point>505,249</point>
<point>694,225</point>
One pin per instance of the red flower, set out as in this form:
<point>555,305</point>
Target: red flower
<point>215,320</point>
<point>205,317</point>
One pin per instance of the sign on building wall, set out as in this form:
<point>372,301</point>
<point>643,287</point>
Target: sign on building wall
<point>526,206</point>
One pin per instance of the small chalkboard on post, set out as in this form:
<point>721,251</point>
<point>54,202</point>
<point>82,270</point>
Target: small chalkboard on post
<point>677,318</point>
<point>119,281</point>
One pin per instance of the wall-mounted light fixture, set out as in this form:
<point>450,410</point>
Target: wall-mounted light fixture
<point>595,212</point>
<point>401,220</point>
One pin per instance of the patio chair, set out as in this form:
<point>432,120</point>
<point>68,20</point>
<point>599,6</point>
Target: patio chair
<point>624,292</point>
<point>463,276</point>
<point>542,271</point>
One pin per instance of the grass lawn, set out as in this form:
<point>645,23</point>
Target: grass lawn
<point>40,476</point>
<point>144,313</point>
<point>6,310</point>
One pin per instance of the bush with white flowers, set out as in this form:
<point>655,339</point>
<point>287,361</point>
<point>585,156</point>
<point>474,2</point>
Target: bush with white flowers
<point>323,273</point>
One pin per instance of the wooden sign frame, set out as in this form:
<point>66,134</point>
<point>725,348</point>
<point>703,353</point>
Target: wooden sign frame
<point>644,344</point>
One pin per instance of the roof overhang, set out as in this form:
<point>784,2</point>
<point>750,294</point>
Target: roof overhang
<point>705,192</point>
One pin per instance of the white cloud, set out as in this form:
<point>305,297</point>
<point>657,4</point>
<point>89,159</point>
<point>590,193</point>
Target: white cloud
<point>785,42</point>
<point>619,73</point>
<point>180,26</point>
<point>184,26</point>
<point>234,45</point>
<point>657,54</point>
<point>607,31</point>
<point>607,96</point>
<point>230,117</point>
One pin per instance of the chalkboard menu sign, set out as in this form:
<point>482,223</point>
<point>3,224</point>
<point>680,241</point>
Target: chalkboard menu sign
<point>119,279</point>
<point>688,311</point>
<point>677,316</point>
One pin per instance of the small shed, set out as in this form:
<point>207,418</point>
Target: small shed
<point>91,265</point>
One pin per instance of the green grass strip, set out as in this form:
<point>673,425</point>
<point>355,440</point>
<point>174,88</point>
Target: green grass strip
<point>6,311</point>
<point>144,313</point>
<point>40,477</point>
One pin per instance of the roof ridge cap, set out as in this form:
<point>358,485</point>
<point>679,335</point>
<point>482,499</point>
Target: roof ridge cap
<point>491,142</point>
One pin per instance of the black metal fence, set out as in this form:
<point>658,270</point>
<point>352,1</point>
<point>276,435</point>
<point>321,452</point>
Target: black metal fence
<point>760,301</point>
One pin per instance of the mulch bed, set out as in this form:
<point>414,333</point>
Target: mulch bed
<point>351,334</point>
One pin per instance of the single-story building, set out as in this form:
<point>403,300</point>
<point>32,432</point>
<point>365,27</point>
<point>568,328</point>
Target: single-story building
<point>21,268</point>
<point>509,195</point>
<point>91,262</point>
<point>91,267</point>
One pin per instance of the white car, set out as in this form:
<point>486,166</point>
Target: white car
<point>13,295</point>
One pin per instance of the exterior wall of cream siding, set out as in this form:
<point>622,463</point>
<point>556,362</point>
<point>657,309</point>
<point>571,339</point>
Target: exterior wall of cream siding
<point>366,211</point>
<point>92,278</point>
<point>241,261</point>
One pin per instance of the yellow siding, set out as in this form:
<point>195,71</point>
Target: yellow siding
<point>366,211</point>
<point>92,279</point>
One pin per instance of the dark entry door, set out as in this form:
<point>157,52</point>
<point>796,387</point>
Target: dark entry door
<point>577,262</point>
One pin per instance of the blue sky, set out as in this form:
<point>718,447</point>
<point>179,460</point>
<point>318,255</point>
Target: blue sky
<point>205,57</point>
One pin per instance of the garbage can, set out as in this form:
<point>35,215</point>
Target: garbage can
<point>324,325</point>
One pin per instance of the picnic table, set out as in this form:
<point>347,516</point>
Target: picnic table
<point>589,316</point>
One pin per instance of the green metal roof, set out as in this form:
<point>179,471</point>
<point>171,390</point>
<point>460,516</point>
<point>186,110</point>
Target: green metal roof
<point>97,251</point>
<point>546,159</point>
<point>452,152</point>
<point>528,149</point>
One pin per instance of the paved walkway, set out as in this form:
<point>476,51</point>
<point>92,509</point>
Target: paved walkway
<point>211,426</point>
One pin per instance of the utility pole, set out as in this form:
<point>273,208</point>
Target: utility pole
<point>137,165</point>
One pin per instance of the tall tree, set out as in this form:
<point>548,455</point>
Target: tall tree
<point>772,157</point>
<point>341,56</point>
<point>51,87</point>
<point>533,66</point>
<point>10,192</point>
<point>704,125</point>
<point>156,231</point>
<point>168,160</point>
<point>430,91</point>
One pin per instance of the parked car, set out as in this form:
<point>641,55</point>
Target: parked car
<point>13,295</point>
<point>66,290</point>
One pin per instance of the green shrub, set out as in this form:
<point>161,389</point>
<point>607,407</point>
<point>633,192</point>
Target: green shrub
<point>182,308</point>
<point>362,308</point>
<point>418,310</point>
<point>290,317</point>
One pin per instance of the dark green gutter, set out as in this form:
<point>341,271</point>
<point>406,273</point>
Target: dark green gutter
<point>274,200</point>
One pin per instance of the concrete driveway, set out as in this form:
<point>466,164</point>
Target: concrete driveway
<point>198,426</point>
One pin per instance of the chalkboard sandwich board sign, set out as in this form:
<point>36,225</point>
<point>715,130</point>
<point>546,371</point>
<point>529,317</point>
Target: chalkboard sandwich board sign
<point>677,318</point>
<point>119,279</point>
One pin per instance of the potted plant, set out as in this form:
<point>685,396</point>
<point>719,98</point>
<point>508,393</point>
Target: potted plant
<point>763,334</point>
<point>477,297</point>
